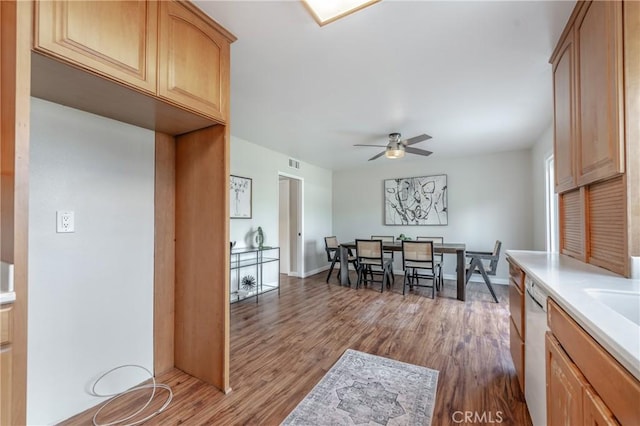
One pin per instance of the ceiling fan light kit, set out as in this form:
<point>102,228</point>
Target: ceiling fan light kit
<point>392,153</point>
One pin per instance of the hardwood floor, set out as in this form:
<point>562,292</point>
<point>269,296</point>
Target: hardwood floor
<point>281,347</point>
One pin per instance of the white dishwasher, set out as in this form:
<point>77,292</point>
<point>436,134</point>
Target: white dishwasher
<point>535,373</point>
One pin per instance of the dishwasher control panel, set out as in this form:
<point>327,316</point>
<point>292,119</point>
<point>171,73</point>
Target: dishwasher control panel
<point>535,292</point>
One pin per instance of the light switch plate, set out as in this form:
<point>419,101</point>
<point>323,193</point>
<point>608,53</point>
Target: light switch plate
<point>65,221</point>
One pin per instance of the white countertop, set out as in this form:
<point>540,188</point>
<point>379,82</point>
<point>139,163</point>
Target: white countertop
<point>566,281</point>
<point>7,297</point>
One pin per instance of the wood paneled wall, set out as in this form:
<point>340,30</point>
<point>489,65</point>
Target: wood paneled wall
<point>164,253</point>
<point>202,253</point>
<point>15,81</point>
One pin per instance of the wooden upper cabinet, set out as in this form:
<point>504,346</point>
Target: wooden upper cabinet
<point>598,32</point>
<point>564,115</point>
<point>116,39</point>
<point>193,61</point>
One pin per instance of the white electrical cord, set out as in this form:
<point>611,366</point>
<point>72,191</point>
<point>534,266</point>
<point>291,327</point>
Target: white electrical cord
<point>115,396</point>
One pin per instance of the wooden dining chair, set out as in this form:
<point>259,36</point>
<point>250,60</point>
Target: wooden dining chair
<point>389,253</point>
<point>418,264</point>
<point>438,258</point>
<point>332,247</point>
<point>372,264</point>
<point>484,263</point>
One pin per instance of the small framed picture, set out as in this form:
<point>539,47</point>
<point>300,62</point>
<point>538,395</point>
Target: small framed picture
<point>240,197</point>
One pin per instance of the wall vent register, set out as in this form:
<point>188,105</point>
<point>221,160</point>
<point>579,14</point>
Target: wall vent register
<point>294,164</point>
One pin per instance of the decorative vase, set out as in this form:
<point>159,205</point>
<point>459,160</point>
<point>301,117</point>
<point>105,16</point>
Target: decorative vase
<point>260,238</point>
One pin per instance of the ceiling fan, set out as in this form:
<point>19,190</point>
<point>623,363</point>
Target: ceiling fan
<point>396,147</point>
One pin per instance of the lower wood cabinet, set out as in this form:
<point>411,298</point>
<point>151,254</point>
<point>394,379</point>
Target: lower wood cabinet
<point>596,413</point>
<point>516,345</point>
<point>516,307</point>
<point>5,364</point>
<point>585,384</point>
<point>516,320</point>
<point>565,385</point>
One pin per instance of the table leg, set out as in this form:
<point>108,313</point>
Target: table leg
<point>461,281</point>
<point>344,266</point>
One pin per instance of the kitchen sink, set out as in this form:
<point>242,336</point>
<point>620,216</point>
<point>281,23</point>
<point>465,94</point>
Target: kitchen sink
<point>626,303</point>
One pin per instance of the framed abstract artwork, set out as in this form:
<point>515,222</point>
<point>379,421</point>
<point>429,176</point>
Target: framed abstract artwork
<point>240,197</point>
<point>416,201</point>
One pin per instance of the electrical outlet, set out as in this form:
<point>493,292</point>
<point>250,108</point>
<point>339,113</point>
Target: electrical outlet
<point>65,221</point>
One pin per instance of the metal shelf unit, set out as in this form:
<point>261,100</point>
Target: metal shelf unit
<point>253,259</point>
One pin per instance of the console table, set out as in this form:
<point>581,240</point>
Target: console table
<point>250,262</point>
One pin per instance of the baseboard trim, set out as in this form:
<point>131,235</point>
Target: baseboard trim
<point>314,271</point>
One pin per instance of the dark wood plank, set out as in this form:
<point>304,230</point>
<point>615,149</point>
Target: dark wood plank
<point>281,347</point>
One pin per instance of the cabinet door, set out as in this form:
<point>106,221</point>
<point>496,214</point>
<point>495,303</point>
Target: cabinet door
<point>114,39</point>
<point>5,385</point>
<point>596,413</point>
<point>564,115</point>
<point>516,307</point>
<point>516,346</point>
<point>600,97</point>
<point>193,61</point>
<point>565,386</point>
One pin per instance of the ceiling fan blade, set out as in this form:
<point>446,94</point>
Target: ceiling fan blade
<point>416,139</point>
<point>418,151</point>
<point>378,146</point>
<point>377,155</point>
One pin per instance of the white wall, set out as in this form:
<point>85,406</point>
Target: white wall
<point>262,166</point>
<point>542,148</point>
<point>90,292</point>
<point>489,198</point>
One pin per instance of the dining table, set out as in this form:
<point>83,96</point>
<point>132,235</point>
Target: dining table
<point>459,249</point>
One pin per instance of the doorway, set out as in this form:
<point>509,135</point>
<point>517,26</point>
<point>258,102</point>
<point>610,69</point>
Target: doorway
<point>290,226</point>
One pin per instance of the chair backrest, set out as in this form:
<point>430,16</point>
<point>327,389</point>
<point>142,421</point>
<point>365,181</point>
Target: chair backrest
<point>369,252</point>
<point>417,252</point>
<point>437,240</point>
<point>331,247</point>
<point>383,238</point>
<point>493,265</point>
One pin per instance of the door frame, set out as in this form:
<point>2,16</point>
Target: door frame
<point>300,219</point>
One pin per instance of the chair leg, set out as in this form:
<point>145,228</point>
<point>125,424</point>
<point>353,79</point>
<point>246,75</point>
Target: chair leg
<point>487,281</point>
<point>333,263</point>
<point>472,266</point>
<point>438,273</point>
<point>407,277</point>
<point>434,284</point>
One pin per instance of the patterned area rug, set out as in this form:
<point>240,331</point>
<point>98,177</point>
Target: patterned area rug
<point>365,389</point>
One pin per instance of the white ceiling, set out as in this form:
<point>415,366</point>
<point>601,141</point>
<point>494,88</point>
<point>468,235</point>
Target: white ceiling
<point>474,75</point>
